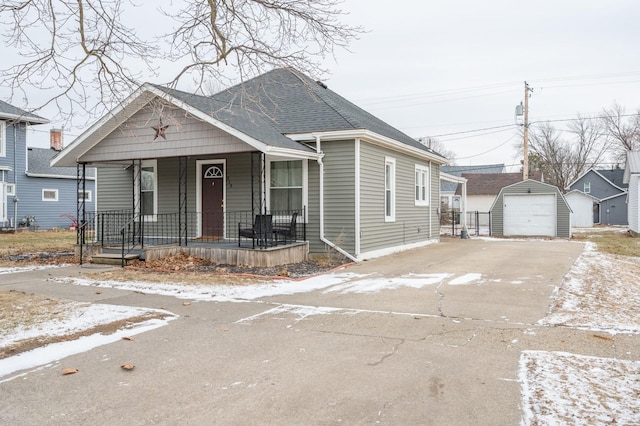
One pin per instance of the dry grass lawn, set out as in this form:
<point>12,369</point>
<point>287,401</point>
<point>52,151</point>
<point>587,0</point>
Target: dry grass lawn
<point>611,241</point>
<point>35,242</point>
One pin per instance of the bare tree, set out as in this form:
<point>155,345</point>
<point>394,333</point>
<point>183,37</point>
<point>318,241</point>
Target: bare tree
<point>87,55</point>
<point>561,159</point>
<point>439,147</point>
<point>623,129</point>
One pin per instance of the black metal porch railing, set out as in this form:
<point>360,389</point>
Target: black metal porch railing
<point>122,228</point>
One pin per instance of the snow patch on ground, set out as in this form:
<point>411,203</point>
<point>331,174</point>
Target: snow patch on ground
<point>76,317</point>
<point>16,269</point>
<point>601,292</point>
<point>466,279</point>
<point>561,388</point>
<point>56,351</point>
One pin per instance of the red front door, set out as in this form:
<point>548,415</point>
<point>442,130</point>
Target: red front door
<point>213,200</point>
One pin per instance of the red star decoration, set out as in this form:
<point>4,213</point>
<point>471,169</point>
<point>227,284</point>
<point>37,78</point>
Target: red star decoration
<point>160,130</point>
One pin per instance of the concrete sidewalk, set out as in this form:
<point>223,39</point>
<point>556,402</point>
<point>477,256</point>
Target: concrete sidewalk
<point>439,354</point>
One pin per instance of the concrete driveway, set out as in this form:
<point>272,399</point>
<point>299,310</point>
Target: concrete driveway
<point>435,354</point>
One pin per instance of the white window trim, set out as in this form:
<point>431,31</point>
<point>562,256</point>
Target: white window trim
<point>305,181</point>
<point>10,189</point>
<point>154,216</point>
<point>421,171</point>
<point>3,138</point>
<point>587,187</point>
<point>390,161</point>
<point>87,197</point>
<point>49,200</point>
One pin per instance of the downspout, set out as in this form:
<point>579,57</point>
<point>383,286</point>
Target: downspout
<point>322,236</point>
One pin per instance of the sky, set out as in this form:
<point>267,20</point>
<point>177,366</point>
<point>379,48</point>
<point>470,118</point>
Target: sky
<point>449,69</point>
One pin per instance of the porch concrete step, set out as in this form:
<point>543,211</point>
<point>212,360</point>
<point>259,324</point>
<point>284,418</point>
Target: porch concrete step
<point>113,258</point>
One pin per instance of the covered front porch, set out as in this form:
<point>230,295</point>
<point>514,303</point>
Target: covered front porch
<point>231,238</point>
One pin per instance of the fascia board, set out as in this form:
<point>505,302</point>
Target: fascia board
<point>371,137</point>
<point>452,178</point>
<point>23,118</point>
<point>260,146</point>
<point>84,142</point>
<point>607,180</point>
<point>39,175</point>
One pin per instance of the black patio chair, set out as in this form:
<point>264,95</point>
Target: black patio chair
<point>261,231</point>
<point>288,231</point>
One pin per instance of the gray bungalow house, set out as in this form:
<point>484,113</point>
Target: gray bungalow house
<point>32,193</point>
<point>275,163</point>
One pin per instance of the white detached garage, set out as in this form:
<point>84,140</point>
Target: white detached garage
<point>530,208</point>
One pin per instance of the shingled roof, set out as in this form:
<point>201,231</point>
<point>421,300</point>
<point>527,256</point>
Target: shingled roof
<point>38,165</point>
<point>11,112</point>
<point>295,104</point>
<point>245,120</point>
<point>459,170</point>
<point>615,176</point>
<point>492,183</point>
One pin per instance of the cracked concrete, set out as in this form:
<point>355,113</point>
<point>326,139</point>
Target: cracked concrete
<point>434,355</point>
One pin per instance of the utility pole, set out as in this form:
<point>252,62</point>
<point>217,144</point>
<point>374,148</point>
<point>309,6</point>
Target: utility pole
<point>525,162</point>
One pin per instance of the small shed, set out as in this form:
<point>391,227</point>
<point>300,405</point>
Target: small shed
<point>531,208</point>
<point>583,207</point>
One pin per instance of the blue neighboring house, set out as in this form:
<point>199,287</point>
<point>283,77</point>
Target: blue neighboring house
<point>609,193</point>
<point>32,193</point>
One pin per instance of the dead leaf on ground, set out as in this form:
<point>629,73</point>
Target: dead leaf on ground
<point>98,292</point>
<point>68,371</point>
<point>186,303</point>
<point>127,366</point>
<point>224,329</point>
<point>127,338</point>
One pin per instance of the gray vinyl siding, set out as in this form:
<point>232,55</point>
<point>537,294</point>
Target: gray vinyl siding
<point>115,188</point>
<point>634,203</point>
<point>339,197</point>
<point>313,209</point>
<point>413,224</point>
<point>613,211</point>
<point>600,188</point>
<point>563,213</point>
<point>134,139</point>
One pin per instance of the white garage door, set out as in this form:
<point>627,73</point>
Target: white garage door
<point>530,215</point>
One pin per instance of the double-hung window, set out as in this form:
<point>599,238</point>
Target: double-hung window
<point>587,187</point>
<point>422,185</point>
<point>286,185</point>
<point>389,189</point>
<point>147,190</point>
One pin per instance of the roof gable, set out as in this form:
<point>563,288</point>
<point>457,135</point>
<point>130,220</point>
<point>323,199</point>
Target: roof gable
<point>614,178</point>
<point>492,183</point>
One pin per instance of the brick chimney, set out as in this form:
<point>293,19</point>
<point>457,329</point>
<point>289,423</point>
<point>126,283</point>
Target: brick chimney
<point>56,139</point>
